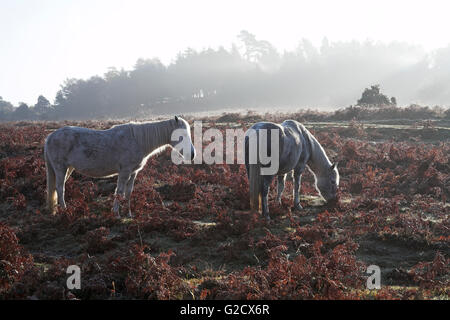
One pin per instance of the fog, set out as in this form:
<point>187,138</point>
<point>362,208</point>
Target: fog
<point>252,73</point>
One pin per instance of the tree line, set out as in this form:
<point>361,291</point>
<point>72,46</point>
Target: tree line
<point>251,74</point>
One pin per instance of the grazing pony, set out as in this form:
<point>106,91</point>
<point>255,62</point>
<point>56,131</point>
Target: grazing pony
<point>122,150</point>
<point>298,149</point>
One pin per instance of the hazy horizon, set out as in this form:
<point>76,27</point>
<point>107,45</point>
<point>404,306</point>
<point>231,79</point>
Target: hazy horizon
<point>49,41</point>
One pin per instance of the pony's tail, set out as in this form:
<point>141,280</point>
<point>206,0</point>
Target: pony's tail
<point>256,184</point>
<point>51,183</point>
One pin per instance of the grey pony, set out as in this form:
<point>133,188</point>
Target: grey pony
<point>299,149</point>
<point>122,150</point>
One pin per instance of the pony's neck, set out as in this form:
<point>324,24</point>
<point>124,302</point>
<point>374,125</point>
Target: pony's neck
<point>153,135</point>
<point>318,161</point>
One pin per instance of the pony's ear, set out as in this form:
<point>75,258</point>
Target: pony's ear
<point>176,119</point>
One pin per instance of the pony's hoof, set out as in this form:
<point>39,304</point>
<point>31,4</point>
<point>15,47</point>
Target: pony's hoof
<point>297,207</point>
<point>131,215</point>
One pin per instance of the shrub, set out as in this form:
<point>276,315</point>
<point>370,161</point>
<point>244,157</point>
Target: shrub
<point>13,260</point>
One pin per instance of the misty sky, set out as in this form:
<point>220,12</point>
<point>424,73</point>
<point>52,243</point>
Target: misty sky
<point>43,42</point>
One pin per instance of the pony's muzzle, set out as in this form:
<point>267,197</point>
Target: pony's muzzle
<point>334,201</point>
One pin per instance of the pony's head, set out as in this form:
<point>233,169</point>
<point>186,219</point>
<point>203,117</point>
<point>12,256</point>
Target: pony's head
<point>181,139</point>
<point>328,183</point>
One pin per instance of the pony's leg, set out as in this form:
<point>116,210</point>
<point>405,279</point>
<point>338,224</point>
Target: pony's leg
<point>247,157</point>
<point>280,185</point>
<point>128,192</point>
<point>297,183</point>
<point>267,180</point>
<point>68,173</point>
<point>60,178</point>
<point>290,176</point>
<point>120,191</point>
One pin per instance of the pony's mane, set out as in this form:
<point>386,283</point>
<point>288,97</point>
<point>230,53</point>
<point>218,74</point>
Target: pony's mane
<point>319,161</point>
<point>153,136</point>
